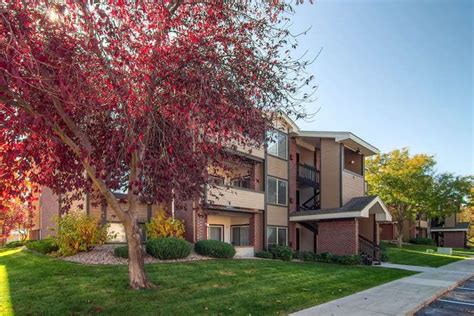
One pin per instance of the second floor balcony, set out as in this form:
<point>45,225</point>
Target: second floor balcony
<point>235,197</point>
<point>308,175</point>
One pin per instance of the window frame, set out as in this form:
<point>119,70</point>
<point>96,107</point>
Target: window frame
<point>277,229</point>
<point>212,179</point>
<point>232,235</point>
<point>215,226</point>
<point>276,143</point>
<point>278,180</point>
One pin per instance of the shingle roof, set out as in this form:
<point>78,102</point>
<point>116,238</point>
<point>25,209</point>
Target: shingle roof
<point>356,204</point>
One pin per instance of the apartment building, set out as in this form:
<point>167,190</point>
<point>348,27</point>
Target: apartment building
<point>450,232</point>
<point>306,190</point>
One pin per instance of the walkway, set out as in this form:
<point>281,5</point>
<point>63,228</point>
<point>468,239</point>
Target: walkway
<point>399,297</point>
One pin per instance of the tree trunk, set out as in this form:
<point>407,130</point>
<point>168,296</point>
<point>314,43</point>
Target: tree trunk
<point>400,234</point>
<point>136,264</point>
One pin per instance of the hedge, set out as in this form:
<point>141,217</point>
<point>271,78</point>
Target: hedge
<point>282,252</point>
<point>329,258</point>
<point>168,248</point>
<point>121,252</point>
<point>264,255</point>
<point>215,249</point>
<point>44,246</point>
<point>422,241</point>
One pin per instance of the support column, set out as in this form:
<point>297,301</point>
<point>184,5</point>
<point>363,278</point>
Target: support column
<point>256,231</point>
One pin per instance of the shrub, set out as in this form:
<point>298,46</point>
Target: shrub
<point>168,248</point>
<point>214,248</point>
<point>79,232</point>
<point>383,252</point>
<point>121,252</point>
<point>163,225</point>
<point>330,258</point>
<point>422,241</point>
<point>264,255</point>
<point>14,244</point>
<point>44,246</point>
<point>282,252</point>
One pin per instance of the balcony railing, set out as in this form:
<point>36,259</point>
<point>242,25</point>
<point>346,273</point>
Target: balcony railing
<point>308,175</point>
<point>233,197</point>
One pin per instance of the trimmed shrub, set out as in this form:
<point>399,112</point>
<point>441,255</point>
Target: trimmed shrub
<point>282,253</point>
<point>264,255</point>
<point>14,244</point>
<point>163,225</point>
<point>121,252</point>
<point>422,241</point>
<point>79,232</point>
<point>330,258</point>
<point>44,246</point>
<point>215,249</point>
<point>383,252</point>
<point>168,248</point>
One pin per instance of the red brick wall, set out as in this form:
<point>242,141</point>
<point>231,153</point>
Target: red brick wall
<point>292,175</point>
<point>256,231</point>
<point>186,214</point>
<point>454,239</point>
<point>49,209</point>
<point>201,225</point>
<point>339,237</point>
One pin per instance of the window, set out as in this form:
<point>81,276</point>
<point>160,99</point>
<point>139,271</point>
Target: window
<point>276,236</point>
<point>215,180</point>
<point>243,182</point>
<point>278,144</point>
<point>216,232</point>
<point>240,235</point>
<point>277,191</point>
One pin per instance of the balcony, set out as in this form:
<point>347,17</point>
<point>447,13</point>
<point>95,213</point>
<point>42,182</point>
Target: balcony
<point>308,175</point>
<point>232,197</point>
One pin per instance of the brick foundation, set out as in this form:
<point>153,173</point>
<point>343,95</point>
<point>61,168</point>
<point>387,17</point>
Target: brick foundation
<point>340,237</point>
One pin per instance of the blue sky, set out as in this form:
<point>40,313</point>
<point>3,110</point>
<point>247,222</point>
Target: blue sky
<point>396,73</point>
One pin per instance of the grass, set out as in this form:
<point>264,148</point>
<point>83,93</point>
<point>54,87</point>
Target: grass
<point>37,284</point>
<point>416,255</point>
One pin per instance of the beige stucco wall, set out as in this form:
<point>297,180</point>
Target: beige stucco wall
<point>450,221</point>
<point>277,215</point>
<point>306,239</point>
<point>227,222</point>
<point>330,173</point>
<point>352,186</point>
<point>277,167</point>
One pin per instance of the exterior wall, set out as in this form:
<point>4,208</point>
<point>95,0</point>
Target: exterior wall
<point>454,239</point>
<point>340,237</point>
<point>256,231</point>
<point>277,215</point>
<point>353,185</point>
<point>277,167</point>
<point>49,209</point>
<point>236,197</point>
<point>187,213</point>
<point>307,239</point>
<point>292,181</point>
<point>450,221</point>
<point>366,227</point>
<point>387,232</point>
<point>330,173</point>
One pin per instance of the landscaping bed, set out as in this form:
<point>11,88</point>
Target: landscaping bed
<point>37,284</point>
<point>105,255</point>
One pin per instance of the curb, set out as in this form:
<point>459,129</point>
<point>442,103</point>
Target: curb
<point>438,295</point>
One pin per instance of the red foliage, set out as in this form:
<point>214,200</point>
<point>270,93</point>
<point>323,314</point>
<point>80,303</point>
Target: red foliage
<point>138,96</point>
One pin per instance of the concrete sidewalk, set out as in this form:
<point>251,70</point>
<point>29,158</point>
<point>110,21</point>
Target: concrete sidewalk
<point>399,297</point>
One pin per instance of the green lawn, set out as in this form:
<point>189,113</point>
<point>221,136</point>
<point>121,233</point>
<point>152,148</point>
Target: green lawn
<point>416,255</point>
<point>36,284</point>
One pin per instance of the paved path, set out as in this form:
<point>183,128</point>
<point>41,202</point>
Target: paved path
<point>399,297</point>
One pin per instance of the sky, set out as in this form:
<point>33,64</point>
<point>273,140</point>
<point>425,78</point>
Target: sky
<point>395,73</point>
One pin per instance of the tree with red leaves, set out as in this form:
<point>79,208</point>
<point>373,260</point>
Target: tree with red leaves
<point>140,96</point>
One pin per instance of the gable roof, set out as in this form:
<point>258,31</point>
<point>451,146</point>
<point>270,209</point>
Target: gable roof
<point>346,138</point>
<point>356,207</point>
